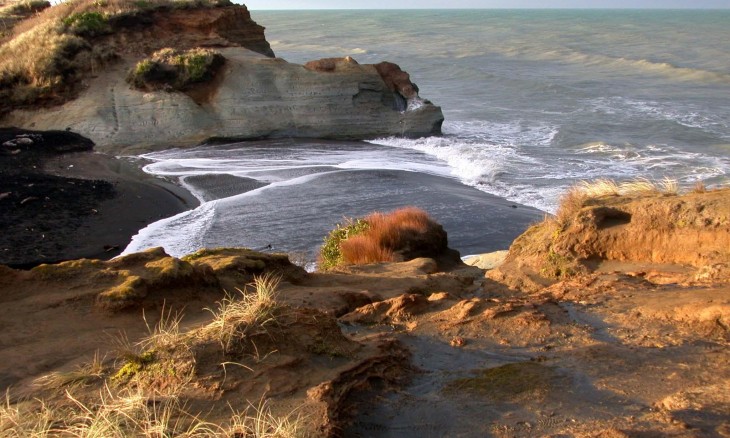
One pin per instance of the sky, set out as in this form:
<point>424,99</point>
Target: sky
<point>452,4</point>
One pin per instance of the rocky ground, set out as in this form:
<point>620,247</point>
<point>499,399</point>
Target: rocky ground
<point>623,348</point>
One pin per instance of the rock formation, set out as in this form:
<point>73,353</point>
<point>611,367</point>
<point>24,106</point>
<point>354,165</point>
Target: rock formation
<point>691,230</point>
<point>253,96</point>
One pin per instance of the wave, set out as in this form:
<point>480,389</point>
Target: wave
<point>686,115</point>
<point>178,235</point>
<point>622,63</point>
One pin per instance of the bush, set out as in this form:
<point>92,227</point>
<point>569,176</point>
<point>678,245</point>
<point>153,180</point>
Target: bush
<point>330,254</point>
<point>87,23</point>
<point>403,234</point>
<point>176,70</point>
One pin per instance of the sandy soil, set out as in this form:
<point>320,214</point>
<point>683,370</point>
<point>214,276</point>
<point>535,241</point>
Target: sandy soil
<point>397,349</point>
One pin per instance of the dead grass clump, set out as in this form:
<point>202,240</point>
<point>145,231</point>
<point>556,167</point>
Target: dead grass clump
<point>81,375</point>
<point>406,229</point>
<point>239,317</point>
<point>363,249</point>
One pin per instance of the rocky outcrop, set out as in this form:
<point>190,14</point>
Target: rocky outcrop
<point>226,26</point>
<point>691,230</point>
<point>253,97</point>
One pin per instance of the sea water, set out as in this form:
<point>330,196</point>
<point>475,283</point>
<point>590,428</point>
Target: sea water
<point>534,100</point>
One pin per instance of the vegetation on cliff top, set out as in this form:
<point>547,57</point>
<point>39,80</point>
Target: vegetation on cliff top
<point>171,69</point>
<point>49,54</point>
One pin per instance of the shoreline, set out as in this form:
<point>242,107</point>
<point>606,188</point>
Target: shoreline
<point>105,202</point>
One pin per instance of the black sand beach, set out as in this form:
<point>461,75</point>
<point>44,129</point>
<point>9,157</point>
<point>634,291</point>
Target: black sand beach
<point>58,206</point>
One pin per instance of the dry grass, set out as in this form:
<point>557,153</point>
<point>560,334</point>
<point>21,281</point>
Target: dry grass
<point>131,412</point>
<point>577,196</point>
<point>81,375</point>
<point>51,52</point>
<point>386,234</point>
<point>23,8</point>
<point>237,317</point>
<point>25,420</point>
<point>166,334</point>
<point>259,422</point>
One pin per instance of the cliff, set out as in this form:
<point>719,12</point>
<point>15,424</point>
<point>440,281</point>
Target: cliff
<point>645,229</point>
<point>253,94</point>
<point>633,344</point>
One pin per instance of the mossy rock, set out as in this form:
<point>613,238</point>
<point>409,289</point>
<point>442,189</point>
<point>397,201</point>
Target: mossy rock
<point>509,382</point>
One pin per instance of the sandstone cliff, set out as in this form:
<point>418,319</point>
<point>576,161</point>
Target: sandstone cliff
<point>254,95</point>
<point>642,232</point>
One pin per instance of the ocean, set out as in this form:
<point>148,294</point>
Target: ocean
<point>534,100</point>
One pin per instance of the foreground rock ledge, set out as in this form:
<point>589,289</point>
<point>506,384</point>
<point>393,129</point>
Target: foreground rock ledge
<point>254,96</point>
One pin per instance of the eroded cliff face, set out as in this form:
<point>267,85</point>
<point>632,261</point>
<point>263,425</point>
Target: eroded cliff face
<point>229,26</point>
<point>645,231</point>
<point>255,95</point>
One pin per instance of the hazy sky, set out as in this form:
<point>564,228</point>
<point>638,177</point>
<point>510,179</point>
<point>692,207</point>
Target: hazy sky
<point>428,4</point>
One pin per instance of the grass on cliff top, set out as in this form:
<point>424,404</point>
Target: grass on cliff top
<point>51,52</point>
<point>577,196</point>
<point>171,69</point>
<point>375,238</point>
<point>23,8</point>
<point>132,401</point>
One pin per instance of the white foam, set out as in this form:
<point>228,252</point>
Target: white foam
<point>178,235</point>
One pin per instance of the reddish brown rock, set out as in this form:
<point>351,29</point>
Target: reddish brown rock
<point>397,80</point>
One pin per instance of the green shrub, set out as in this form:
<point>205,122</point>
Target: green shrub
<point>175,70</point>
<point>87,23</point>
<point>330,255</point>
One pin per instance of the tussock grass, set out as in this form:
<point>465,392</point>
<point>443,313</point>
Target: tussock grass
<point>330,255</point>
<point>386,234</point>
<point>375,238</point>
<point>257,421</point>
<point>236,317</point>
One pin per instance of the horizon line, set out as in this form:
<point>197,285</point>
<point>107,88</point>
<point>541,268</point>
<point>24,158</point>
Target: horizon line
<point>693,8</point>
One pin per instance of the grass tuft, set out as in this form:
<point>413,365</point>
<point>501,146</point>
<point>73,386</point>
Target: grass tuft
<point>259,422</point>
<point>577,196</point>
<point>238,317</point>
<point>375,238</point>
<point>82,375</point>
<point>330,255</point>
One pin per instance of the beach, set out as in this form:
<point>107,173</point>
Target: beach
<point>79,205</point>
